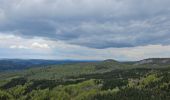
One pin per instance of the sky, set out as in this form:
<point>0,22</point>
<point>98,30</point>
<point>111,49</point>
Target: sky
<point>85,29</point>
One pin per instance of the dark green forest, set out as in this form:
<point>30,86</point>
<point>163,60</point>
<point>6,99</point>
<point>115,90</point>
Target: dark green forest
<point>107,80</point>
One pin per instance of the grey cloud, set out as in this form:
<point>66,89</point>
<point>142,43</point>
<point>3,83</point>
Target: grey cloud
<point>90,23</point>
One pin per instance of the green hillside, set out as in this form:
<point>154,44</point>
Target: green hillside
<point>106,80</point>
<point>65,70</point>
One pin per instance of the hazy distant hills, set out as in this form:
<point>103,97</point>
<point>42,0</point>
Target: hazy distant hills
<point>159,61</point>
<point>45,69</point>
<point>18,64</point>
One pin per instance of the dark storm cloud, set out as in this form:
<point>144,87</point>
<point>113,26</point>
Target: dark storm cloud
<point>90,23</point>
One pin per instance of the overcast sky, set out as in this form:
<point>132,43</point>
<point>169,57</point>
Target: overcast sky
<point>84,29</point>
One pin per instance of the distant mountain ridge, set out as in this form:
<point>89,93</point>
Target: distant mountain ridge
<point>110,60</point>
<point>43,69</point>
<point>20,64</point>
<point>159,61</point>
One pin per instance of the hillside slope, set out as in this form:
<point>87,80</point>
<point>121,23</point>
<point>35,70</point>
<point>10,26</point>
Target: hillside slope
<point>65,70</point>
<point>74,69</point>
<point>20,64</point>
<point>118,84</point>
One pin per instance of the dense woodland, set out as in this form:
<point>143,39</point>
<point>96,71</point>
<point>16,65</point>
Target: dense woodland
<point>108,80</point>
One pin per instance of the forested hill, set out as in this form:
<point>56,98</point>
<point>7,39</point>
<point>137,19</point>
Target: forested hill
<point>50,70</point>
<point>148,79</point>
<point>20,64</point>
<point>155,61</point>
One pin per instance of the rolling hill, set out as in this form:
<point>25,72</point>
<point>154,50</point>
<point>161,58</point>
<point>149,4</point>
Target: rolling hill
<point>68,69</point>
<point>20,64</point>
<point>148,79</point>
<point>155,61</point>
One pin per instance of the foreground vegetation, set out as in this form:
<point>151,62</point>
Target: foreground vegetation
<point>101,81</point>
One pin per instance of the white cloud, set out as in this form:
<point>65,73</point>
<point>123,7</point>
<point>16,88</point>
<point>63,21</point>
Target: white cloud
<point>17,42</point>
<point>16,46</point>
<point>38,45</point>
<point>103,23</point>
<point>73,29</point>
